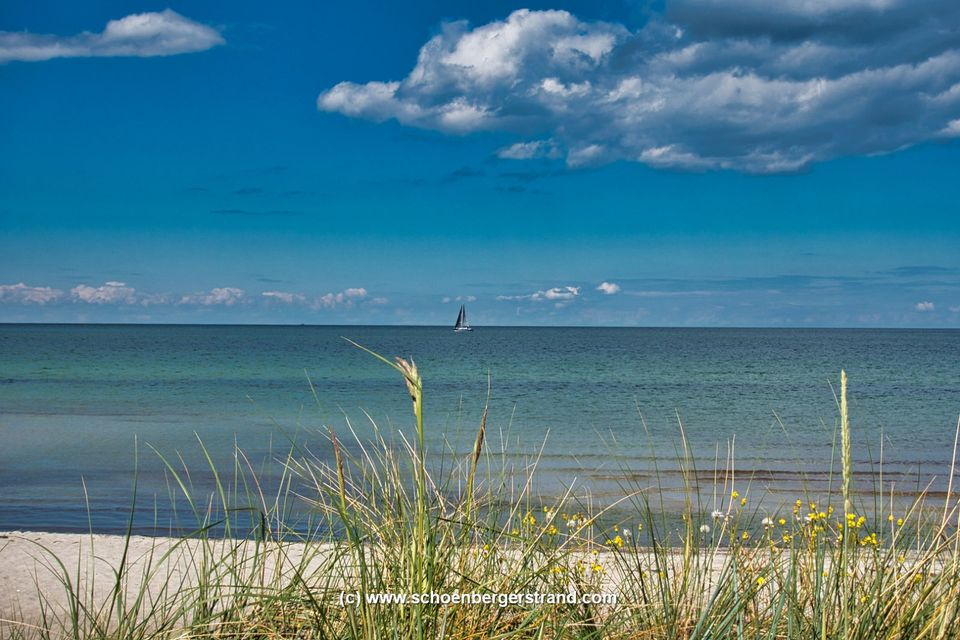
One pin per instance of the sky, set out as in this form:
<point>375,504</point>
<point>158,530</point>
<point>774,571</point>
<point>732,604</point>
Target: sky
<point>623,163</point>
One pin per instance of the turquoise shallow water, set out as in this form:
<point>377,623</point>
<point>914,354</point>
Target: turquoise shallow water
<point>73,398</point>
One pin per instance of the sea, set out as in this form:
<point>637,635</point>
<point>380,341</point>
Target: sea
<point>95,418</point>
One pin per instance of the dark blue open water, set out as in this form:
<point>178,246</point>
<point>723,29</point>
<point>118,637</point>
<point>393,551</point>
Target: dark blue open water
<point>73,398</point>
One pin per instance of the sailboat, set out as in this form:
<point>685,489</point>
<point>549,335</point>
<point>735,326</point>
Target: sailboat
<point>462,324</point>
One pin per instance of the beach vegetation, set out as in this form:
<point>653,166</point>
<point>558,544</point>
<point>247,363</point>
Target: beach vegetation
<point>352,517</point>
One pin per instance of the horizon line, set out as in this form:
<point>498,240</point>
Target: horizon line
<point>481,327</point>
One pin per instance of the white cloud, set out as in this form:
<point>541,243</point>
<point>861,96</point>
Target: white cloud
<point>587,155</point>
<point>283,296</point>
<point>530,150</point>
<point>554,293</point>
<point>447,299</point>
<point>952,130</point>
<point>24,294</point>
<point>226,296</point>
<point>608,288</point>
<point>735,84</point>
<point>924,306</point>
<point>150,34</point>
<point>345,298</point>
<point>557,293</point>
<point>112,292</point>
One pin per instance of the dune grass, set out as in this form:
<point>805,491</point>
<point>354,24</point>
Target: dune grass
<point>378,519</point>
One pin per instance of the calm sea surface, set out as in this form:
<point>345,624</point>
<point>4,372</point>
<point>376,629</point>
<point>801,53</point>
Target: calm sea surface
<point>77,401</point>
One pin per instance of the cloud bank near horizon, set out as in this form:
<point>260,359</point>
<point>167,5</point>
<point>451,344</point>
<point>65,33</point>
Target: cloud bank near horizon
<point>904,296</point>
<point>710,84</point>
<point>141,35</point>
<point>119,293</point>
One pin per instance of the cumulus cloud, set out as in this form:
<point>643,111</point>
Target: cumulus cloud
<point>447,299</point>
<point>142,35</point>
<point>23,294</point>
<point>345,298</point>
<point>112,292</point>
<point>283,296</point>
<point>608,288</point>
<point>555,294</point>
<point>226,296</point>
<point>924,306</point>
<point>115,292</point>
<point>746,85</point>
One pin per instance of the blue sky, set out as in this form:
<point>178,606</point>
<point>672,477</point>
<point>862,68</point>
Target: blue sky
<point>695,162</point>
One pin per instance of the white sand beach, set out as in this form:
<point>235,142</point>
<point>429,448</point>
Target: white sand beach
<point>33,566</point>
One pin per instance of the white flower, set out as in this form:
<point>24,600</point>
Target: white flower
<point>767,522</point>
<point>808,517</point>
<point>704,528</point>
<point>717,514</point>
<point>571,523</point>
<point>627,533</point>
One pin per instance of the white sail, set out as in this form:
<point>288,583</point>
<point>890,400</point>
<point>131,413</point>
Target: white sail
<point>461,324</point>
